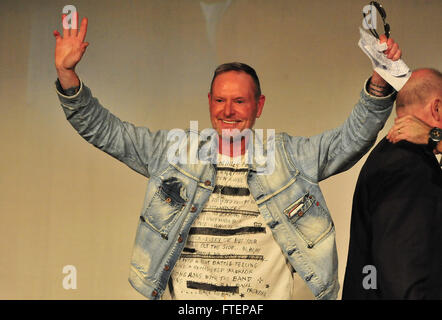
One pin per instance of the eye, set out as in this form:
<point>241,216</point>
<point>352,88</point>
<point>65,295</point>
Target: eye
<point>239,101</point>
<point>219,100</point>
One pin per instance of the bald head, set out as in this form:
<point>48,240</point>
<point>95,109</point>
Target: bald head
<point>421,97</point>
<point>423,85</point>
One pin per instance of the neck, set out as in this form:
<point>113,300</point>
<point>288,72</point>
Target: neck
<point>231,147</point>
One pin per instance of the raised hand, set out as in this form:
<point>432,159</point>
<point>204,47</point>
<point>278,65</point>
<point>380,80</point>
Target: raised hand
<point>378,86</point>
<point>69,50</point>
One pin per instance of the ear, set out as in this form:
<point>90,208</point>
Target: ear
<point>261,101</point>
<point>436,109</point>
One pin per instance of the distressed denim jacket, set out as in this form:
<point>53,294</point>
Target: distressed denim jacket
<point>289,198</point>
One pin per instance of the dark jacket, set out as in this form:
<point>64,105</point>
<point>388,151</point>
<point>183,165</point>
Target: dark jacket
<point>396,226</point>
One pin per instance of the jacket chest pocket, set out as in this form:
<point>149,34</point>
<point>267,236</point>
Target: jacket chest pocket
<point>310,219</point>
<point>166,206</point>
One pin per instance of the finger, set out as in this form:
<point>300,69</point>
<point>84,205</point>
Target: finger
<point>392,131</point>
<point>397,136</point>
<point>83,29</point>
<point>389,135</point>
<point>390,42</point>
<point>397,56</point>
<point>383,38</point>
<point>56,35</point>
<point>64,22</point>
<point>393,51</point>
<point>74,25</point>
<point>84,45</point>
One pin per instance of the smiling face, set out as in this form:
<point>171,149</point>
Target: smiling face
<point>232,102</point>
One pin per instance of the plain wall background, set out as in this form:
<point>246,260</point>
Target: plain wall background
<point>63,202</point>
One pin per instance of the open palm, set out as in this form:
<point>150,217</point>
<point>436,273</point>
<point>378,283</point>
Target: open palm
<point>70,47</point>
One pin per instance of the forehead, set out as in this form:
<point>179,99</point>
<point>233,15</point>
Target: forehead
<point>233,82</point>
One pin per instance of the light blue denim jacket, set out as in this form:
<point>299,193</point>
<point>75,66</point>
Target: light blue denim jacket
<point>176,193</point>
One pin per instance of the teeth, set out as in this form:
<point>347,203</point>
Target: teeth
<point>230,122</point>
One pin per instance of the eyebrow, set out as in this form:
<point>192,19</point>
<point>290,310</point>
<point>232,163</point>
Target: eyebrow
<point>236,98</point>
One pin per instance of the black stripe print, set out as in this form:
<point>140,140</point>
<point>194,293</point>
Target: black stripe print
<point>211,287</point>
<point>231,211</point>
<point>231,191</point>
<point>230,169</point>
<point>222,256</point>
<point>226,232</point>
<point>192,250</point>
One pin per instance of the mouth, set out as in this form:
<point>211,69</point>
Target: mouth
<point>229,124</point>
<point>230,121</point>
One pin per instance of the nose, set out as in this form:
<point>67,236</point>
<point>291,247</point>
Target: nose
<point>228,109</point>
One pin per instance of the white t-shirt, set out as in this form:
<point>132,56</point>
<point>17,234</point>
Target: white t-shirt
<point>230,252</point>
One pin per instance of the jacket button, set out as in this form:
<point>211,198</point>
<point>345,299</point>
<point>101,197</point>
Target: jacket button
<point>193,209</point>
<point>168,200</point>
<point>208,183</point>
<point>166,267</point>
<point>273,224</point>
<point>300,213</point>
<point>180,239</point>
<point>154,293</point>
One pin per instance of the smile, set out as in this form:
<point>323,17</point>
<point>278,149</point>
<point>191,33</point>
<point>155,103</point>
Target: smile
<point>231,122</point>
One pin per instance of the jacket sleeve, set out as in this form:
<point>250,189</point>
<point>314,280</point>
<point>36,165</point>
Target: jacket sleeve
<point>337,150</point>
<point>137,147</point>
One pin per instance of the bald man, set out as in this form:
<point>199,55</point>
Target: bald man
<point>396,224</point>
<point>419,123</point>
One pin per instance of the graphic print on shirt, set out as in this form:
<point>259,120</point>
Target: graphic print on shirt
<point>230,253</point>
